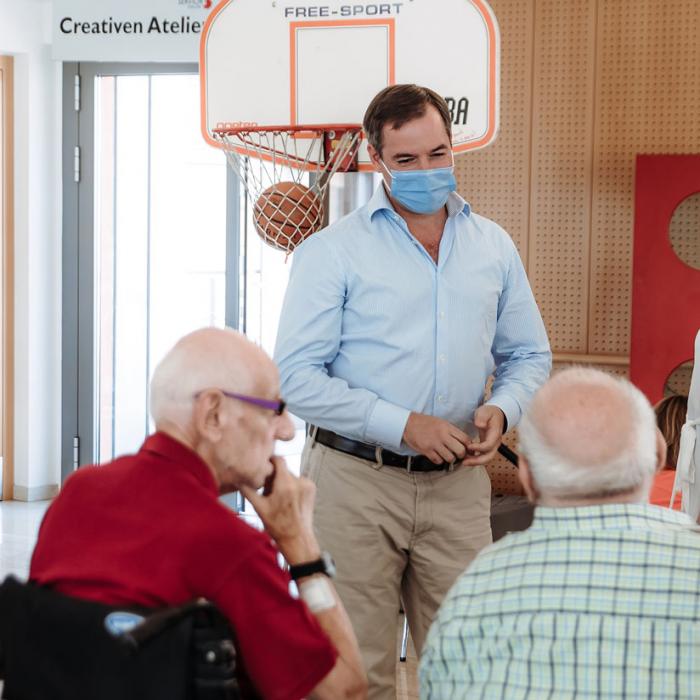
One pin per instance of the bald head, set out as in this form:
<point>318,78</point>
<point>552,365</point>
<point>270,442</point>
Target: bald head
<point>207,358</point>
<point>588,435</point>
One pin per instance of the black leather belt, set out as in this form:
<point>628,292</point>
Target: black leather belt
<point>368,452</point>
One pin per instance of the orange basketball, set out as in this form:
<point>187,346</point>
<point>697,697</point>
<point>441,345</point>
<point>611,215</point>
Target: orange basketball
<point>286,213</point>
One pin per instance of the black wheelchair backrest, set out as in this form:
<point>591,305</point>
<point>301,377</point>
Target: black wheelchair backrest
<point>55,647</point>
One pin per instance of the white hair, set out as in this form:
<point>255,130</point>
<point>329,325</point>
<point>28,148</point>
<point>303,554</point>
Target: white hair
<point>205,359</point>
<point>557,473</point>
<point>174,383</point>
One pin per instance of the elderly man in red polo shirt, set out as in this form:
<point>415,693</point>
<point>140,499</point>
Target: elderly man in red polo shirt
<point>148,529</point>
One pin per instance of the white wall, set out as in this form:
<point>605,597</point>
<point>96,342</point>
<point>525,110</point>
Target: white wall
<point>24,33</point>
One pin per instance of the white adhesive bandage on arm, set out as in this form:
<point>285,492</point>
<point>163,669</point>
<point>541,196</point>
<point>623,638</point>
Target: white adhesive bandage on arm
<point>317,594</point>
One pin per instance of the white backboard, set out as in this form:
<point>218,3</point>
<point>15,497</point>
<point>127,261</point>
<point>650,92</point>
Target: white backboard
<point>274,62</point>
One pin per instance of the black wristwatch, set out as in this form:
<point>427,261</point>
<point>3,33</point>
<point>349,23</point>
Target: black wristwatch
<point>324,565</point>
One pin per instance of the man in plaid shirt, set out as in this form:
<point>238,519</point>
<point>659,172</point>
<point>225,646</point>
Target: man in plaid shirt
<point>600,597</point>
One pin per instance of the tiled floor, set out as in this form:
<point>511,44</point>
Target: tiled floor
<point>19,525</point>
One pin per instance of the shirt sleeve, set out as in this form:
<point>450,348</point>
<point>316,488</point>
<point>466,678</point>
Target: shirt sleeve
<point>520,348</point>
<point>284,651</point>
<point>308,341</point>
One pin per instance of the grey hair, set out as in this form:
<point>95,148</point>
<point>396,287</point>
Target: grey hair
<point>559,475</point>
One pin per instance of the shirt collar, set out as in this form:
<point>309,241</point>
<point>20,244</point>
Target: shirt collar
<point>614,516</point>
<point>380,202</point>
<point>173,450</point>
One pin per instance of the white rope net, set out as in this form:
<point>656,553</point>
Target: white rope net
<point>271,163</point>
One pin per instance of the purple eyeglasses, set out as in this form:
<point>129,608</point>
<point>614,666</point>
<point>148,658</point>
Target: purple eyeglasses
<point>276,406</point>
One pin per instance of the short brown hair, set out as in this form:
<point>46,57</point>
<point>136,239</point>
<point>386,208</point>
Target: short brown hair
<point>398,104</point>
<point>670,416</point>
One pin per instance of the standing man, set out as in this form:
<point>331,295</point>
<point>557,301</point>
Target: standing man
<point>394,319</point>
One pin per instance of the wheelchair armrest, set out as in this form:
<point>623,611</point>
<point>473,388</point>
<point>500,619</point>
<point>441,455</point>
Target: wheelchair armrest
<point>159,622</point>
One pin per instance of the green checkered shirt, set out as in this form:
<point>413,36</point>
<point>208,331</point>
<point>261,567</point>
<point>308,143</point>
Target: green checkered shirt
<point>590,602</point>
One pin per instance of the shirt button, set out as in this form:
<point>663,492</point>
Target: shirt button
<point>442,359</point>
<point>442,314</point>
<point>441,399</point>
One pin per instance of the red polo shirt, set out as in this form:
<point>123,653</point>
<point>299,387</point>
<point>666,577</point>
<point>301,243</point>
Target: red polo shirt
<point>149,530</point>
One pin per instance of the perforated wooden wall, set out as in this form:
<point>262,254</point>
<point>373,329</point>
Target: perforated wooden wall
<point>560,185</point>
<point>496,180</point>
<point>585,86</point>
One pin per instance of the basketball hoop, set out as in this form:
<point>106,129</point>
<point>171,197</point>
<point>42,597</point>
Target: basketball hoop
<point>285,210</point>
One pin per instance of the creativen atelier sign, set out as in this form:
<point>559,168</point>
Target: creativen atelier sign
<point>128,30</point>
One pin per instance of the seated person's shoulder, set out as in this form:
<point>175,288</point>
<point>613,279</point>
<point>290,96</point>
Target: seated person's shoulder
<point>89,477</point>
<point>81,476</point>
<point>684,536</point>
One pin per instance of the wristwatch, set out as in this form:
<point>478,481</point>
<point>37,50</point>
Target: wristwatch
<point>323,565</point>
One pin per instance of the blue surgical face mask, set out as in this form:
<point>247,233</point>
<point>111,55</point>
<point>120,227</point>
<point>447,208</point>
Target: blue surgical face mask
<point>422,191</point>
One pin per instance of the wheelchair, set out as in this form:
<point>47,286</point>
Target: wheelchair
<point>55,647</point>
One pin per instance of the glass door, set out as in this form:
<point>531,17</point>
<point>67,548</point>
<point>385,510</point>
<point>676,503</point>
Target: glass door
<point>160,242</point>
<point>150,245</point>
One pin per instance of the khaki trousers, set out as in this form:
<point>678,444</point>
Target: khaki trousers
<point>393,533</point>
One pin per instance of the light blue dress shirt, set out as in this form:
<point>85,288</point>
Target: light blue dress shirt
<point>372,328</point>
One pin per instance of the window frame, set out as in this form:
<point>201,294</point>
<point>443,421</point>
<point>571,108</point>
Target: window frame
<point>7,277</point>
